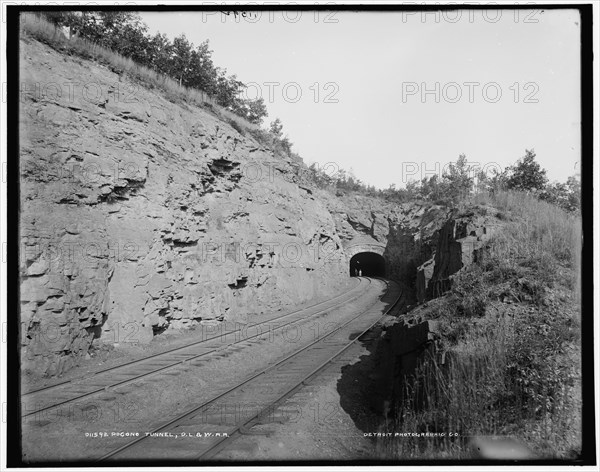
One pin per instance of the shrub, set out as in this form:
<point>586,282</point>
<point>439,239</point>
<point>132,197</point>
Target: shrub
<point>236,126</point>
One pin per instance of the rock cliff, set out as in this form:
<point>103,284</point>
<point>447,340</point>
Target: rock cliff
<point>458,244</point>
<point>141,214</point>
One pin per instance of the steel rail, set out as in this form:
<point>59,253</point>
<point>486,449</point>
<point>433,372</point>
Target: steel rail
<point>187,359</point>
<point>218,445</point>
<point>191,413</point>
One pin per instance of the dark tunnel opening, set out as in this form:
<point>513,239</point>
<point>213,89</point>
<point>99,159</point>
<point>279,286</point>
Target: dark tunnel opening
<point>367,264</point>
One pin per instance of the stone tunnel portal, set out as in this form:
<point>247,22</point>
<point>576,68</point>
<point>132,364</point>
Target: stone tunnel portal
<point>367,264</point>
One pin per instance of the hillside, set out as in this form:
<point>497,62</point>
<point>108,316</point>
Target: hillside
<point>140,210</point>
<point>496,354</point>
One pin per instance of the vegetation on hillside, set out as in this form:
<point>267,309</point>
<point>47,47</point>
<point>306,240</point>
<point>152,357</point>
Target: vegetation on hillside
<point>124,33</point>
<point>119,40</point>
<point>460,181</point>
<point>511,340</point>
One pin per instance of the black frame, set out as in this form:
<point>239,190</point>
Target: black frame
<point>14,450</point>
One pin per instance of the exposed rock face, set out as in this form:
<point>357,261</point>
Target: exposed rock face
<point>445,243</point>
<point>138,215</point>
<point>358,216</point>
<point>405,235</point>
<point>410,340</point>
<point>412,239</point>
<point>459,244</point>
<point>423,244</point>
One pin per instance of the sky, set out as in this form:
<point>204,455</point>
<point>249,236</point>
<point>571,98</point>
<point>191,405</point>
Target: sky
<point>396,96</point>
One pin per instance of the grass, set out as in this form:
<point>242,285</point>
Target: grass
<point>39,28</point>
<point>538,228</point>
<point>511,342</point>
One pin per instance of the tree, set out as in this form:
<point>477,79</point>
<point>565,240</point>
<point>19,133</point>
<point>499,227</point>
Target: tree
<point>458,181</point>
<point>565,195</point>
<point>276,130</point>
<point>227,89</point>
<point>574,189</point>
<point>61,18</point>
<point>253,110</point>
<point>430,188</point>
<point>90,26</point>
<point>319,176</point>
<point>128,35</point>
<point>203,73</point>
<point>181,59</point>
<point>412,189</point>
<point>555,193</point>
<point>129,38</point>
<point>159,53</point>
<point>455,183</point>
<point>526,175</point>
<point>104,27</point>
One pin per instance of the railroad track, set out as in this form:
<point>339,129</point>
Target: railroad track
<point>54,396</point>
<point>201,432</point>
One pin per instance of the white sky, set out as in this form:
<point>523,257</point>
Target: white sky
<point>372,57</point>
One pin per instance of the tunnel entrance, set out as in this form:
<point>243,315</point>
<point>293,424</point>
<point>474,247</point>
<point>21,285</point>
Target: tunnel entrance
<point>367,264</point>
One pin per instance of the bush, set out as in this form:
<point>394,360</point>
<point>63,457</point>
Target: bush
<point>236,126</point>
